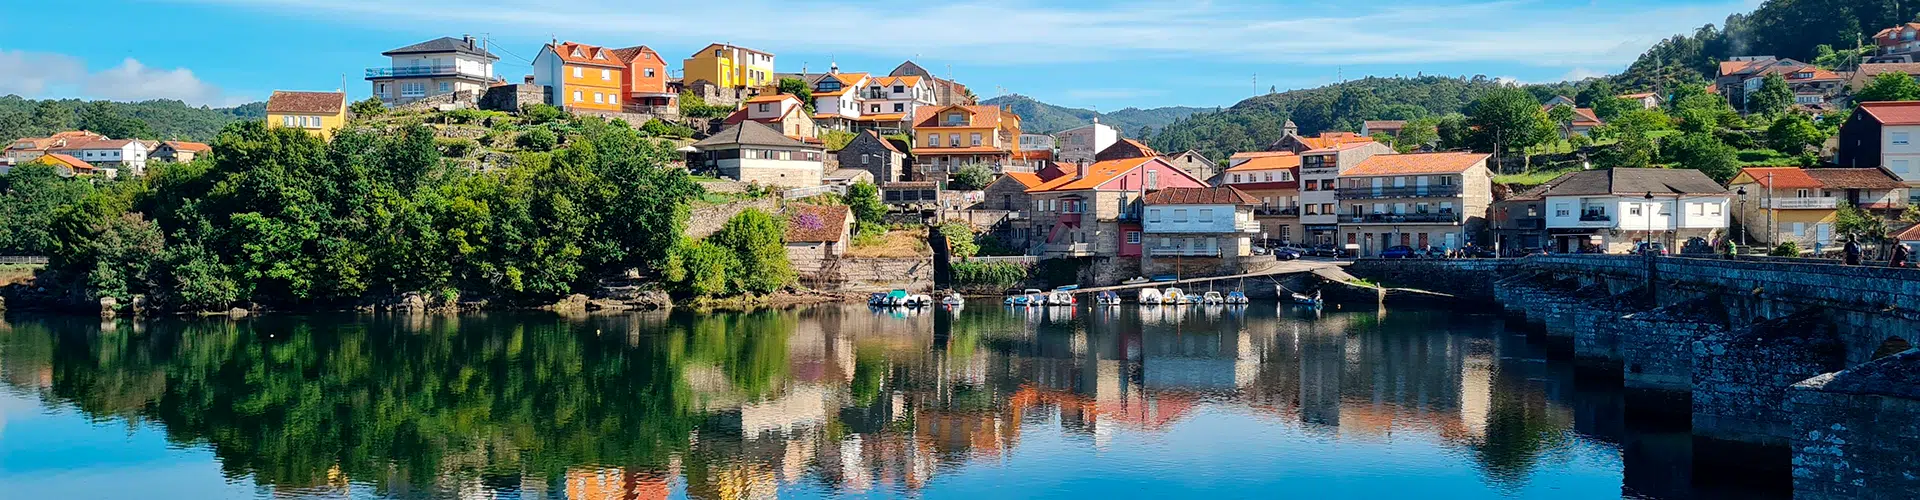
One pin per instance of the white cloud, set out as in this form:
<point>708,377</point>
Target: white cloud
<point>1577,74</point>
<point>1017,32</point>
<point>1119,93</point>
<point>40,74</point>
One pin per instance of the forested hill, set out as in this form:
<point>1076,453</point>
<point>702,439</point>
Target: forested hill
<point>1256,122</point>
<point>1041,118</point>
<point>157,119</point>
<point>1785,28</point>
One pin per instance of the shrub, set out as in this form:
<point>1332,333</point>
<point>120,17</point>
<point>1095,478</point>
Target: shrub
<point>658,128</point>
<point>539,139</point>
<point>959,239</point>
<point>455,147</point>
<point>759,239</point>
<point>542,113</point>
<point>693,106</point>
<point>837,139</point>
<point>1785,249</point>
<point>988,275</point>
<point>368,108</point>
<point>702,269</point>
<point>971,176</point>
<point>864,198</point>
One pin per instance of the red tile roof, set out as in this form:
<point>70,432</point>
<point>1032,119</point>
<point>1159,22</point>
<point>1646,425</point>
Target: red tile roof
<point>1220,195</point>
<point>1776,177</point>
<point>589,55</point>
<point>1028,179</point>
<point>1334,140</point>
<point>1910,234</point>
<point>1259,154</point>
<point>1274,162</point>
<point>1096,174</point>
<point>68,161</point>
<point>1893,112</point>
<point>1855,178</point>
<point>817,223</point>
<point>983,116</point>
<point>324,103</point>
<point>1416,163</point>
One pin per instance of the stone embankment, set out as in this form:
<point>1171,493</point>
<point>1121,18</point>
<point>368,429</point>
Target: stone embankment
<point>1750,353</point>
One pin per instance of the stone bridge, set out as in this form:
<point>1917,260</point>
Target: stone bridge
<point>1791,365</point>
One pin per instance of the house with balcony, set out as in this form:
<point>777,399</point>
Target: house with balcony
<point>434,67</point>
<point>1273,181</point>
<point>645,83</point>
<point>1812,85</point>
<point>838,98</point>
<point>1802,205</point>
<point>1896,44</point>
<point>1204,230</point>
<point>952,136</point>
<point>891,102</point>
<point>729,66</point>
<point>1419,200</point>
<point>752,152</point>
<point>1080,144</point>
<point>1320,171</point>
<point>1611,211</point>
<point>122,154</point>
<point>1519,222</point>
<point>1882,134</point>
<point>578,76</point>
<point>28,148</point>
<point>1094,211</point>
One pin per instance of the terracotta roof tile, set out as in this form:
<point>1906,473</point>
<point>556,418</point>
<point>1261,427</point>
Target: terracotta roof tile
<point>1096,174</point>
<point>772,98</point>
<point>983,116</point>
<point>1777,177</point>
<point>1416,163</point>
<point>589,55</point>
<point>1855,178</point>
<point>1028,179</point>
<point>286,101</point>
<point>68,161</point>
<point>189,146</point>
<point>1259,154</point>
<point>1893,112</point>
<point>1274,162</point>
<point>816,223</point>
<point>1909,234</point>
<point>1221,195</point>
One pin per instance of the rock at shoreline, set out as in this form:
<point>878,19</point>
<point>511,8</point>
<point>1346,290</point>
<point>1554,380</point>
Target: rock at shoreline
<point>572,303</point>
<point>237,313</point>
<point>109,307</point>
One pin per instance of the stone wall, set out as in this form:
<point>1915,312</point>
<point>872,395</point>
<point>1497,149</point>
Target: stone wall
<point>913,274</point>
<point>465,99</point>
<point>1466,278</point>
<point>1856,433</point>
<point>510,98</point>
<point>706,220</point>
<point>1740,378</point>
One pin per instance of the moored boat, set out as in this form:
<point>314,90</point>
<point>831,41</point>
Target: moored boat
<point>1150,296</point>
<point>1212,298</point>
<point>1235,297</point>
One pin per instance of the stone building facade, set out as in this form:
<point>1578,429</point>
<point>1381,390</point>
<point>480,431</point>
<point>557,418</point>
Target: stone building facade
<point>868,151</point>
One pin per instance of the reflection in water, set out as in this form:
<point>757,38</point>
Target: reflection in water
<point>1032,402</point>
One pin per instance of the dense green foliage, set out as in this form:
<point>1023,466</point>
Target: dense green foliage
<point>1772,98</point>
<point>971,176</point>
<point>864,199</point>
<point>1701,152</point>
<point>157,119</point>
<point>1041,118</point>
<point>988,276</point>
<point>693,106</point>
<point>1510,119</point>
<point>798,88</point>
<point>281,217</point>
<point>1850,222</point>
<point>959,239</point>
<point>1892,86</point>
<point>1784,28</point>
<point>747,255</point>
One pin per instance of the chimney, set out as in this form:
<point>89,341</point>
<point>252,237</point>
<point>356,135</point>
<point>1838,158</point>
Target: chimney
<point>468,38</point>
<point>529,80</point>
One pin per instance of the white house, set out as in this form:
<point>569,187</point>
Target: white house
<point>1081,144</point>
<point>440,66</point>
<point>895,99</point>
<point>1198,222</point>
<point>1884,134</point>
<point>750,151</point>
<point>1613,210</point>
<point>838,98</point>
<point>128,153</point>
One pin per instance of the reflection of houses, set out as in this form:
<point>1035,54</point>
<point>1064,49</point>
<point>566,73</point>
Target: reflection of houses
<point>614,483</point>
<point>1205,361</point>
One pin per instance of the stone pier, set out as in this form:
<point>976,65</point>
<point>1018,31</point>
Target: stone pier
<point>1854,431</point>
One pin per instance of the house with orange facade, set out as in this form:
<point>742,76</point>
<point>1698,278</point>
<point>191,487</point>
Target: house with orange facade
<point>645,82</point>
<point>582,77</point>
<point>951,136</point>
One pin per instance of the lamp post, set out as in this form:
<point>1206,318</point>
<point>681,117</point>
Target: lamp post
<point>1649,217</point>
<point>1743,214</point>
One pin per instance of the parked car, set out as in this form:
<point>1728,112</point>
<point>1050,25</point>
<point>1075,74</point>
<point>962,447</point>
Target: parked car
<point>1327,250</point>
<point>1398,252</point>
<point>1433,252</point>
<point>1653,248</point>
<point>1286,253</point>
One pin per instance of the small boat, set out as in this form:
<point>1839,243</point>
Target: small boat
<point>1150,296</point>
<point>1213,298</point>
<point>1061,297</point>
<point>953,299</point>
<point>1235,297</point>
<point>1176,296</point>
<point>1136,280</point>
<point>1028,297</point>
<point>1165,277</point>
<point>917,300</point>
<point>877,299</point>
<point>1108,299</point>
<point>895,298</point>
<point>1304,300</point>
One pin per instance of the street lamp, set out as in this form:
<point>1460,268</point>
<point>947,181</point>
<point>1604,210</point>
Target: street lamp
<point>1743,214</point>
<point>1649,218</point>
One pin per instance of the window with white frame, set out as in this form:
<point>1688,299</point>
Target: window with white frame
<point>446,87</point>
<point>976,139</point>
<point>606,74</point>
<point>579,72</point>
<point>764,107</point>
<point>1562,210</point>
<point>577,96</point>
<point>597,98</point>
<point>1133,237</point>
<point>1153,215</point>
<point>933,140</point>
<point>1898,138</point>
<point>287,121</point>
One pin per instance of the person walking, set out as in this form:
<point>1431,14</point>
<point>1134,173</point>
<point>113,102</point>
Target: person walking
<point>1853,250</point>
<point>1901,254</point>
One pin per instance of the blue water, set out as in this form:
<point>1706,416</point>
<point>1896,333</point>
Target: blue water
<point>831,401</point>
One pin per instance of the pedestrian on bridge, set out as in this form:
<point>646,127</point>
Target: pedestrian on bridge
<point>1853,250</point>
<point>1901,254</point>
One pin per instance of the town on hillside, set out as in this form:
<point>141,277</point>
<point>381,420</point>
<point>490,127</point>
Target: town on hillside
<point>1118,206</point>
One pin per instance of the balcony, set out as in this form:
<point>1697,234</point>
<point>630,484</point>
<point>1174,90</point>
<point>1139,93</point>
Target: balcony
<point>1183,252</point>
<point>1276,211</point>
<point>1072,218</point>
<point>1820,203</point>
<point>1070,249</point>
<point>1247,226</point>
<point>1416,218</point>
<point>1399,192</point>
<point>420,72</point>
<point>1595,217</point>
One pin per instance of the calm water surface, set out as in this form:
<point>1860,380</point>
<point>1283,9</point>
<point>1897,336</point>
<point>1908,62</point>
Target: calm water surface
<point>824,402</point>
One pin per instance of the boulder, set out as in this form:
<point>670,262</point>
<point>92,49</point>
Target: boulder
<point>575,302</point>
<point>237,313</point>
<point>410,302</point>
<point>607,305</point>
<point>137,305</point>
<point>109,306</point>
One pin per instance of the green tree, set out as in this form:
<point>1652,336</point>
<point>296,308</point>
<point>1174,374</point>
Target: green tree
<point>1594,92</point>
<point>959,239</point>
<point>704,269</point>
<point>798,88</point>
<point>538,139</point>
<point>1702,152</point>
<point>1852,222</point>
<point>1454,132</point>
<point>837,139</point>
<point>1793,134</point>
<point>1562,118</point>
<point>110,120</point>
<point>1773,96</point>
<point>757,238</point>
<point>1632,151</point>
<point>1417,133</point>
<point>1508,119</point>
<point>864,199</point>
<point>971,176</point>
<point>368,108</point>
<point>1889,86</point>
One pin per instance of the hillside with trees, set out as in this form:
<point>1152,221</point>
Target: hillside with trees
<point>1041,118</point>
<point>156,119</point>
<point>1806,30</point>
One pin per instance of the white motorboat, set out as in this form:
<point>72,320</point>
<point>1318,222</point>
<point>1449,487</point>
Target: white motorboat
<point>1151,296</point>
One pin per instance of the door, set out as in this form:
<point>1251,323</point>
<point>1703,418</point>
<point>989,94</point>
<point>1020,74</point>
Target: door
<point>1825,231</point>
<point>1451,240</point>
<point>1423,240</point>
<point>1420,185</point>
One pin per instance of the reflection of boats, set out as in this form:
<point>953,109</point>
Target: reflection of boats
<point>878,299</point>
<point>1061,297</point>
<point>895,298</point>
<point>1028,297</point>
<point>1150,296</point>
<point>1212,298</point>
<point>1235,297</point>
<point>953,299</point>
<point>1107,299</point>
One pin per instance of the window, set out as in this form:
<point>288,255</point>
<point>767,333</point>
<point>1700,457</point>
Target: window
<point>1633,209</point>
<point>1206,216</point>
<point>933,140</point>
<point>1310,186</point>
<point>446,87</point>
<point>286,121</point>
<point>1153,179</point>
<point>606,74</point>
<point>576,96</point>
<point>649,72</point>
<point>1561,210</point>
<point>953,140</point>
<point>597,98</point>
<point>898,89</point>
<point>1801,193</point>
<point>1326,184</point>
<point>413,89</point>
<point>897,108</point>
<point>764,107</point>
<point>1269,176</point>
<point>1286,175</point>
<point>1312,209</point>
<point>1236,178</point>
<point>1446,207</point>
<point>579,73</point>
<point>1326,208</point>
<point>1179,215</point>
<point>976,139</point>
<point>1153,215</point>
<point>876,109</point>
<point>1696,209</point>
<point>1166,242</point>
<point>1899,138</point>
<point>1133,237</point>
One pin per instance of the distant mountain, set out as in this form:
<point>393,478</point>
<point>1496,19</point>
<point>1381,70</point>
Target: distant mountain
<point>1042,118</point>
<point>154,119</point>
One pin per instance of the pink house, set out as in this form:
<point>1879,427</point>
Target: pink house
<point>1095,210</point>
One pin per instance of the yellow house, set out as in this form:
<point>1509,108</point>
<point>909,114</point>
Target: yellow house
<point>729,66</point>
<point>1801,205</point>
<point>952,136</point>
<point>317,112</point>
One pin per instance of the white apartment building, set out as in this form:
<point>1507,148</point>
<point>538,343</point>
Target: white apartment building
<point>1611,211</point>
<point>1081,144</point>
<point>1320,171</point>
<point>125,153</point>
<point>440,66</point>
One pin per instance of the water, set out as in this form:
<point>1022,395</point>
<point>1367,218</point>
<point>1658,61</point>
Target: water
<point>821,402</point>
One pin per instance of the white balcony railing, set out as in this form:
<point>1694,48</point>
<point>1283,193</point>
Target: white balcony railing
<point>1827,203</point>
<point>1247,226</point>
<point>1183,252</point>
<point>1070,249</point>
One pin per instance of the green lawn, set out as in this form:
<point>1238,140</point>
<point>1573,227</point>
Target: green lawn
<point>1535,178</point>
<point>1766,157</point>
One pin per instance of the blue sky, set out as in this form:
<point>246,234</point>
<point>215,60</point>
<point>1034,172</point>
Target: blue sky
<point>1076,53</point>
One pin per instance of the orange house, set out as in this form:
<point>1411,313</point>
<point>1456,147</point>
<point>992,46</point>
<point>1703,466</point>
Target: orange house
<point>646,80</point>
<point>581,76</point>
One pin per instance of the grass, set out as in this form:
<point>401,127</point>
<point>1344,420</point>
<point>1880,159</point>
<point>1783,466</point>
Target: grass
<point>1766,157</point>
<point>1365,282</point>
<point>893,244</point>
<point>1534,178</point>
<point>17,273</point>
